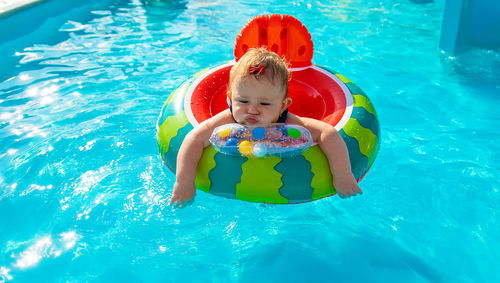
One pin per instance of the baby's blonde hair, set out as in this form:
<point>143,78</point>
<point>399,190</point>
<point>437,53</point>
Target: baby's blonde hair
<point>276,68</point>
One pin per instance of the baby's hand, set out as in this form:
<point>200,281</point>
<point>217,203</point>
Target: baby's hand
<point>182,195</point>
<point>346,185</point>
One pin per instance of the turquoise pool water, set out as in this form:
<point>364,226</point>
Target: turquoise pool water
<point>84,192</point>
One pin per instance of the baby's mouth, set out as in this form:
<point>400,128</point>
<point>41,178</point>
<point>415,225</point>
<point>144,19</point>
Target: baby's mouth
<point>251,120</point>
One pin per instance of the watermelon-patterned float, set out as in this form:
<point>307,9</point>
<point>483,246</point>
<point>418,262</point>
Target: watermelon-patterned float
<point>317,93</point>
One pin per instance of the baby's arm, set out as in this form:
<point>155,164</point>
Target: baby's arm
<point>333,146</point>
<point>189,155</point>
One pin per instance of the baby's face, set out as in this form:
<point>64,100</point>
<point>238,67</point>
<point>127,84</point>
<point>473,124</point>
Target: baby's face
<point>257,101</point>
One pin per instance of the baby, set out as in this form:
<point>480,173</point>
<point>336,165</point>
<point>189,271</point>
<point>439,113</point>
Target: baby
<point>258,93</point>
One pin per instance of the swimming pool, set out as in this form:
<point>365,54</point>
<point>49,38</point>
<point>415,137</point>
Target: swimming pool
<point>84,191</point>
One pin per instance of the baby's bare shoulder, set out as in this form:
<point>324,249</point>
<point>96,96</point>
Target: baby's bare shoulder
<point>315,127</point>
<point>305,121</point>
<point>221,118</point>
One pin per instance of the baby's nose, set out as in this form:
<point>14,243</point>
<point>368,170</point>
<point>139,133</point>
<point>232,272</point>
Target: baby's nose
<point>253,109</point>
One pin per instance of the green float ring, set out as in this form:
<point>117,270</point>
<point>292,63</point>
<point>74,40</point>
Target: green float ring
<point>297,179</point>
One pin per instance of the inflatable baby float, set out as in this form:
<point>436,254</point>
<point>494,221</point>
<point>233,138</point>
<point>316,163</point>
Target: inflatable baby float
<point>317,92</point>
